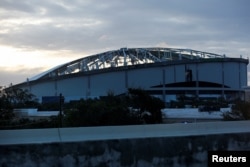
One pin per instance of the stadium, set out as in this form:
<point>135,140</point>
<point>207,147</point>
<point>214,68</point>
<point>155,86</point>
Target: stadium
<point>166,73</point>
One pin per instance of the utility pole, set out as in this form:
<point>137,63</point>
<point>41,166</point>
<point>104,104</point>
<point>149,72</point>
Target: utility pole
<point>61,101</point>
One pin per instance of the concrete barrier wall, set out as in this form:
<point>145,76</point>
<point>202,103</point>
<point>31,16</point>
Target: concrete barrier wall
<point>169,151</point>
<point>148,148</point>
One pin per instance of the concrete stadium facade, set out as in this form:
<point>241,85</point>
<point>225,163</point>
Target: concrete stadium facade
<point>163,72</point>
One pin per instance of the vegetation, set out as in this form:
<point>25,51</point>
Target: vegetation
<point>98,112</point>
<point>5,107</point>
<point>19,98</point>
<point>137,107</point>
<point>240,111</point>
<point>149,107</point>
<point>14,98</point>
<point>204,104</point>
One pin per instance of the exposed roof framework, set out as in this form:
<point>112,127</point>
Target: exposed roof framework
<point>125,57</point>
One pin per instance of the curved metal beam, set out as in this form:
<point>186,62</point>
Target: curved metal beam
<point>125,57</point>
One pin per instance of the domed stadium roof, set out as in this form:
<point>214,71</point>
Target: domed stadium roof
<point>125,57</point>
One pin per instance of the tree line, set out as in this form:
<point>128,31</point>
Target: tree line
<point>134,107</point>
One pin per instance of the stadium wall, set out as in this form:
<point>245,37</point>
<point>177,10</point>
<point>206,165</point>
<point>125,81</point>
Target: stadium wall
<point>229,75</point>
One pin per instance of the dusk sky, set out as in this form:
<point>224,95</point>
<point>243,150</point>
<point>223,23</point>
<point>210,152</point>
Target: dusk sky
<point>36,35</point>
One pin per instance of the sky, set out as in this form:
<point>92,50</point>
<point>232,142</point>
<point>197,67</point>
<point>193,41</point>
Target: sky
<point>36,35</point>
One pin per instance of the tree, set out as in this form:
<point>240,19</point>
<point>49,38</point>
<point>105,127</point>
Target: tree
<point>13,98</point>
<point>241,111</point>
<point>149,107</point>
<point>5,106</point>
<point>135,108</point>
<point>20,98</point>
<point>109,110</point>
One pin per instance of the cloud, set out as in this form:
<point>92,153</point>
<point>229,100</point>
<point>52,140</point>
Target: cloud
<point>16,6</point>
<point>78,26</point>
<point>92,26</point>
<point>17,75</point>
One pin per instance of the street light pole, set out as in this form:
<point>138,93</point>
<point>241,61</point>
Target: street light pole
<point>61,101</point>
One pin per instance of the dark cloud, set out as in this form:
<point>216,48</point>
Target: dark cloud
<point>91,26</point>
<point>78,25</point>
<point>12,5</point>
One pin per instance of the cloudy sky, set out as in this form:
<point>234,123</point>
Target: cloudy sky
<point>36,35</point>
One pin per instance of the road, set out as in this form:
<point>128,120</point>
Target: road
<point>36,136</point>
